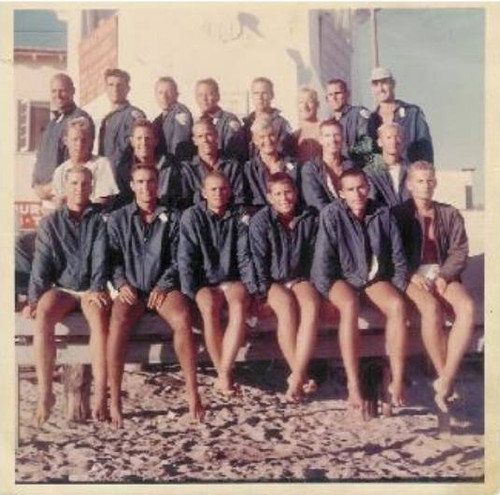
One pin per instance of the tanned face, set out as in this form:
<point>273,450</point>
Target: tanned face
<point>144,184</point>
<point>61,93</point>
<point>421,184</point>
<point>283,197</point>
<point>117,89</point>
<point>166,94</point>
<point>78,187</point>
<point>217,192</point>
<point>79,143</point>
<point>355,190</point>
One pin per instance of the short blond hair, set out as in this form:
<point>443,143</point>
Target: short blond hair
<point>262,123</point>
<point>421,165</point>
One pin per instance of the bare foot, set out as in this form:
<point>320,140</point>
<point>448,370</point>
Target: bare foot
<point>442,394</point>
<point>116,416</point>
<point>397,394</point>
<point>354,397</point>
<point>196,409</point>
<point>225,385</point>
<point>310,387</point>
<point>295,393</point>
<point>44,408</point>
<point>100,408</point>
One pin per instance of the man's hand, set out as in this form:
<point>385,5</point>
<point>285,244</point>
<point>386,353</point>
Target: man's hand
<point>100,299</point>
<point>421,282</point>
<point>127,294</point>
<point>29,311</point>
<point>441,284</point>
<point>156,298</point>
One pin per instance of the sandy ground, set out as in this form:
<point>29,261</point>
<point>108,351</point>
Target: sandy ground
<point>258,437</point>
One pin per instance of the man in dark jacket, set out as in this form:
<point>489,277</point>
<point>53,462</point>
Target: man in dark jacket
<point>143,240</point>
<point>436,247</point>
<point>387,174</point>
<point>282,240</point>
<point>262,94</point>
<point>69,270</point>
<point>216,270</point>
<point>359,251</point>
<point>417,137</point>
<point>207,159</point>
<point>174,123</point>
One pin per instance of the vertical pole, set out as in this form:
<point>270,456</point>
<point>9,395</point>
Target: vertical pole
<point>373,22</point>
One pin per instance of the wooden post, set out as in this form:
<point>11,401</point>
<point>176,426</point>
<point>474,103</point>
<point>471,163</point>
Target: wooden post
<point>76,380</point>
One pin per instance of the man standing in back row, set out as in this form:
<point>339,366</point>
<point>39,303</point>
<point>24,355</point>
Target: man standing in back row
<point>116,127</point>
<point>417,137</point>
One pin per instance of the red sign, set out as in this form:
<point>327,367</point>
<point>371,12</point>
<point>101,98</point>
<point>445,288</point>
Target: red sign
<point>98,52</point>
<point>28,214</point>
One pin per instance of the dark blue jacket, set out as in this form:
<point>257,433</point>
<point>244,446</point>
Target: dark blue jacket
<point>281,255</point>
<point>175,135</point>
<point>193,173</point>
<point>114,135</point>
<point>52,150</point>
<point>381,186</point>
<point>255,179</point>
<point>417,136</point>
<point>286,141</point>
<point>342,253</point>
<point>170,182</point>
<point>315,192</point>
<point>213,250</point>
<point>69,254</point>
<point>230,140</point>
<point>144,255</point>
<point>449,232</point>
<point>354,121</point>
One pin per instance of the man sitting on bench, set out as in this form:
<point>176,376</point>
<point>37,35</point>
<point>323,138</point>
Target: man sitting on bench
<point>436,247</point>
<point>69,269</point>
<point>282,238</point>
<point>143,240</point>
<point>359,252</point>
<point>216,269</point>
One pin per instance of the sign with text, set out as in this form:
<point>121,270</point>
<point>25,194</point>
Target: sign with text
<point>97,52</point>
<point>28,214</point>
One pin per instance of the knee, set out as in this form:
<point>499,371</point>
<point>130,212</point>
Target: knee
<point>180,323</point>
<point>347,305</point>
<point>207,302</point>
<point>396,308</point>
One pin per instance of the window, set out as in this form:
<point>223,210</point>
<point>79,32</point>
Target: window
<point>32,118</point>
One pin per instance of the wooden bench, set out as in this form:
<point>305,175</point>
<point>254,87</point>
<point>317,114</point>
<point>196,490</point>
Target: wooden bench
<point>150,342</point>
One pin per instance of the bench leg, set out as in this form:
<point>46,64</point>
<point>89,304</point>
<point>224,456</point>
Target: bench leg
<point>77,379</point>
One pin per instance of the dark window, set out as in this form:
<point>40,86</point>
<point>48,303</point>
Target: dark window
<point>32,118</point>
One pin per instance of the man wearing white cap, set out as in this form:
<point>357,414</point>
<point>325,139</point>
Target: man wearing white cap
<point>417,137</point>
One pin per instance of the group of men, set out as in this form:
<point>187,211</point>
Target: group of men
<point>181,217</point>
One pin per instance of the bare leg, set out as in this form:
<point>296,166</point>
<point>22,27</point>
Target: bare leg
<point>51,308</point>
<point>98,320</point>
<point>123,318</point>
<point>346,300</point>
<point>175,312</point>
<point>432,325</point>
<point>210,301</point>
<point>309,302</point>
<point>238,303</point>
<point>460,335</point>
<point>282,301</point>
<point>386,297</point>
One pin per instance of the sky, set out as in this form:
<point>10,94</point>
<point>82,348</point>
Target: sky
<point>436,55</point>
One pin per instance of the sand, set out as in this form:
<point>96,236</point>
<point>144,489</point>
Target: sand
<point>258,437</point>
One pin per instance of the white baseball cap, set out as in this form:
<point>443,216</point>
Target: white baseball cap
<point>379,73</point>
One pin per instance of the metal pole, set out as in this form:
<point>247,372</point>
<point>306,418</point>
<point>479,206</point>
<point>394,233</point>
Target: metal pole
<point>373,22</point>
